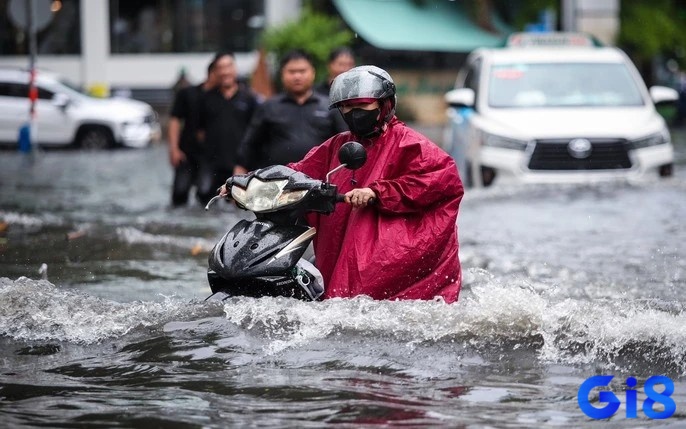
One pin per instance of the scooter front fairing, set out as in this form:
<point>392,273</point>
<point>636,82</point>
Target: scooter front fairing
<point>258,258</point>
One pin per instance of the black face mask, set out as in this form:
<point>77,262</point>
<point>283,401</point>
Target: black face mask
<point>362,123</point>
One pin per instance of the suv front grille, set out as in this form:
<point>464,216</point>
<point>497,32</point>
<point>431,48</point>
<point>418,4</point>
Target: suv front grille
<point>605,154</point>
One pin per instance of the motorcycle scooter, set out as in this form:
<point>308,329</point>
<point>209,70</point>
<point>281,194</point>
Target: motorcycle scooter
<point>263,257</point>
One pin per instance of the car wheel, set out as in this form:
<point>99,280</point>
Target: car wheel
<point>487,176</point>
<point>94,138</point>
<point>666,170</point>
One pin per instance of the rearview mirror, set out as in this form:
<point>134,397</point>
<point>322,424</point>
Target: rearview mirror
<point>353,155</point>
<point>663,95</point>
<point>61,100</point>
<point>461,97</point>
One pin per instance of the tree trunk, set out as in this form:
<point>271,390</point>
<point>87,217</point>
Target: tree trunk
<point>484,15</point>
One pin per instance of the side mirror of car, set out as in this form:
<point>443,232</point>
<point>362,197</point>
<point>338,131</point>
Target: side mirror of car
<point>663,95</point>
<point>353,155</point>
<point>461,97</point>
<point>61,100</point>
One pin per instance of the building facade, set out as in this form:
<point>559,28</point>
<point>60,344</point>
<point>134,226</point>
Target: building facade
<point>124,45</point>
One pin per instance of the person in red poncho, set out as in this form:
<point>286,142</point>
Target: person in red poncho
<point>397,236</point>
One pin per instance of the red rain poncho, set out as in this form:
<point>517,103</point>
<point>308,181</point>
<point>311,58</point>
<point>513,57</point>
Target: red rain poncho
<point>403,247</point>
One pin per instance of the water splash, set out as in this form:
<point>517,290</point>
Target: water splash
<point>38,310</point>
<point>616,332</point>
<point>491,319</point>
<point>489,315</point>
<point>28,220</point>
<point>493,314</point>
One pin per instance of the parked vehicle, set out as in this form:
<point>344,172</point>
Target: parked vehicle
<point>64,116</point>
<point>556,107</point>
<point>263,257</point>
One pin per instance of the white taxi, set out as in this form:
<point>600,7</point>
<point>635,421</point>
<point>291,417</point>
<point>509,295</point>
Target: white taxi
<point>64,116</point>
<point>556,107</point>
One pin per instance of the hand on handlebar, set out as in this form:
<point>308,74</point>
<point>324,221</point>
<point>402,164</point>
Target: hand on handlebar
<point>222,192</point>
<point>360,197</point>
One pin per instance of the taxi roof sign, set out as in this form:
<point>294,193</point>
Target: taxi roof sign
<point>552,39</point>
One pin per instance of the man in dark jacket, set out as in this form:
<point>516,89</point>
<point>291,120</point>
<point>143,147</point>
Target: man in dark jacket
<point>285,127</point>
<point>224,116</point>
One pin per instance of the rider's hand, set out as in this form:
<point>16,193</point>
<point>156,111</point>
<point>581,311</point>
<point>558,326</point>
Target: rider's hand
<point>223,191</point>
<point>360,197</point>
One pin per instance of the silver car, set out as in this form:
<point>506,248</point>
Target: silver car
<point>64,116</point>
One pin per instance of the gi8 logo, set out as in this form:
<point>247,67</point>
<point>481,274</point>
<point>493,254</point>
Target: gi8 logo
<point>631,400</point>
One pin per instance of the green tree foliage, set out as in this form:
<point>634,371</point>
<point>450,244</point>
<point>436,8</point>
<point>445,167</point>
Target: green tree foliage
<point>653,27</point>
<point>313,32</point>
<point>518,13</point>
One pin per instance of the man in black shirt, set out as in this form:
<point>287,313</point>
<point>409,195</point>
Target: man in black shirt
<point>285,127</point>
<point>225,114</point>
<point>186,155</point>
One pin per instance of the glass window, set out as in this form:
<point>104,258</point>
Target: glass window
<point>4,89</point>
<point>18,90</point>
<point>44,94</point>
<point>61,36</point>
<point>173,26</point>
<point>563,85</point>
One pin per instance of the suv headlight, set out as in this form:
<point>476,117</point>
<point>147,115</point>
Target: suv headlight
<point>651,140</point>
<point>494,140</point>
<point>267,196</point>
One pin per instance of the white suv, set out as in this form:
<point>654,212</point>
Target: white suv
<point>65,116</point>
<point>555,107</point>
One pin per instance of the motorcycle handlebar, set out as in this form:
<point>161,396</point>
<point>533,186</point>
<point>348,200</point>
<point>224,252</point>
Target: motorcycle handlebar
<point>340,198</point>
<point>215,198</point>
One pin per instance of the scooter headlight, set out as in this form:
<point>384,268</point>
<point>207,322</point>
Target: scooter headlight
<point>290,197</point>
<point>262,196</point>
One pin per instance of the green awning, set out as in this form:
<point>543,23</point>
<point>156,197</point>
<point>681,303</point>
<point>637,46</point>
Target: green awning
<point>415,25</point>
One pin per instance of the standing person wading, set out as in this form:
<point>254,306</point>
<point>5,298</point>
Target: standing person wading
<point>186,155</point>
<point>224,117</point>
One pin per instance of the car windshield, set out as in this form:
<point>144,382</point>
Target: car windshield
<point>562,85</point>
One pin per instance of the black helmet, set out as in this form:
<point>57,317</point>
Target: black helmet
<point>363,82</point>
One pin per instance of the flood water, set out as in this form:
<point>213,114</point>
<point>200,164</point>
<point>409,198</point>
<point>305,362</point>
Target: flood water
<point>560,283</point>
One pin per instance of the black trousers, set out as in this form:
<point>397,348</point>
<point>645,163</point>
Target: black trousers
<point>194,171</point>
